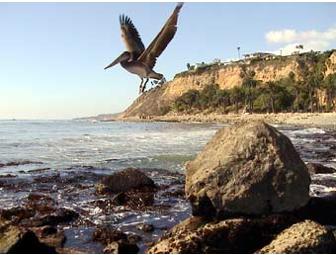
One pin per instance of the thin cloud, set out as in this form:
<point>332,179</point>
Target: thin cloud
<point>291,35</point>
<point>311,39</point>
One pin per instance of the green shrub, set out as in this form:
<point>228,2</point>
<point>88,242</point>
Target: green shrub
<point>187,101</point>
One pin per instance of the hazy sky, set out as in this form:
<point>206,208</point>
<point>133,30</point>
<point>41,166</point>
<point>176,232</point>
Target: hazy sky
<point>52,55</point>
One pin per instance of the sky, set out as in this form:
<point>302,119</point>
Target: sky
<point>52,55</point>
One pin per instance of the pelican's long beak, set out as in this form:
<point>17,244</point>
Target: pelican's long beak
<point>124,56</point>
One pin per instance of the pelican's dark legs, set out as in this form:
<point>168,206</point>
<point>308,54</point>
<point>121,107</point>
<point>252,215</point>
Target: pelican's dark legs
<point>162,81</point>
<point>144,86</point>
<point>140,88</point>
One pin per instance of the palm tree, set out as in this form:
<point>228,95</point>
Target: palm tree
<point>237,96</point>
<point>271,90</point>
<point>314,81</point>
<point>249,84</point>
<point>329,84</point>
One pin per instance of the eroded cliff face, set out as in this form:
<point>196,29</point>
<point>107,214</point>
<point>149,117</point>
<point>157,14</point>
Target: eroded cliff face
<point>156,101</point>
<point>228,77</point>
<point>331,64</point>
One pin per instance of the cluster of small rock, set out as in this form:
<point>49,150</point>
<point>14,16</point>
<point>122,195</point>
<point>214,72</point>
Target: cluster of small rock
<point>36,226</point>
<point>249,192</point>
<point>32,228</point>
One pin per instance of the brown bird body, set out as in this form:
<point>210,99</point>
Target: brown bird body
<point>137,59</point>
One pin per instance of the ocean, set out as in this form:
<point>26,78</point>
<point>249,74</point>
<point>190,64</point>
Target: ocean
<point>110,145</point>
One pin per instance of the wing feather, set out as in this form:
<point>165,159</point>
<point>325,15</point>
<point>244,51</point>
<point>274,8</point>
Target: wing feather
<point>130,36</point>
<point>160,42</point>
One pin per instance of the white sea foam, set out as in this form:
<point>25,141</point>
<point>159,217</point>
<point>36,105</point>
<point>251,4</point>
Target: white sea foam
<point>321,190</point>
<point>308,131</point>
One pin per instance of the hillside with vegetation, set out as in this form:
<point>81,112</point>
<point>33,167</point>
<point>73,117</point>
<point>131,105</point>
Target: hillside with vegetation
<point>303,82</point>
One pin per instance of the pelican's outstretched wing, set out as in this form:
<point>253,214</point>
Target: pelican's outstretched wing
<point>161,41</point>
<point>131,36</point>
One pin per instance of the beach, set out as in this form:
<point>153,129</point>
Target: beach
<point>298,119</point>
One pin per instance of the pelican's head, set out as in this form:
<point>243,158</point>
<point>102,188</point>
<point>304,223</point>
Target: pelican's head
<point>125,56</point>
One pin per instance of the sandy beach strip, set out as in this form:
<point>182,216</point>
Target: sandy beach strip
<point>300,119</point>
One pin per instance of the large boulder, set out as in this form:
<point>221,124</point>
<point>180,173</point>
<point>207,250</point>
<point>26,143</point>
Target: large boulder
<point>303,237</point>
<point>248,169</point>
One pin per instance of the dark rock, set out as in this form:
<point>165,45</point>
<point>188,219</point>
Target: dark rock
<point>62,215</point>
<point>106,205</point>
<point>133,238</point>
<point>120,199</point>
<point>18,163</point>
<point>179,193</point>
<point>8,176</point>
<point>302,237</point>
<point>16,214</point>
<point>121,247</point>
<point>125,180</point>
<point>39,170</point>
<point>320,209</point>
<point>55,178</point>
<point>146,227</point>
<point>139,198</point>
<point>134,199</point>
<point>41,203</point>
<point>115,240</point>
<point>50,236</point>
<point>47,230</point>
<point>248,169</point>
<point>108,234</point>
<point>316,168</point>
<point>16,240</point>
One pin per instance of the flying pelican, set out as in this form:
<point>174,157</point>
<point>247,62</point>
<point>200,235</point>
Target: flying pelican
<point>137,59</point>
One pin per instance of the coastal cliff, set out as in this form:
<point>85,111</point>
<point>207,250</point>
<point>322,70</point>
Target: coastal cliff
<point>158,100</point>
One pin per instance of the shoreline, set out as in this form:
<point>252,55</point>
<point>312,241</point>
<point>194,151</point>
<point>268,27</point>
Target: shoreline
<point>327,120</point>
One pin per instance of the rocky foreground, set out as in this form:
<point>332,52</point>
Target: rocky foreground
<point>248,190</point>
